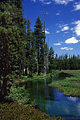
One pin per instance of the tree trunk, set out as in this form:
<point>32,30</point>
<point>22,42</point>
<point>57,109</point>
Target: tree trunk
<point>44,47</point>
<point>4,87</point>
<point>44,67</point>
<point>5,67</point>
<point>38,62</point>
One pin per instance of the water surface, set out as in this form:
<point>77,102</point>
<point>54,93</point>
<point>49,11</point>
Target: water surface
<point>53,102</point>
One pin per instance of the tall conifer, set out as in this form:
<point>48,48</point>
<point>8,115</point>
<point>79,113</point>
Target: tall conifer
<point>12,33</point>
<point>38,41</point>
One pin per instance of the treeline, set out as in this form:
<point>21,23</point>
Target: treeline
<point>21,49</point>
<point>70,62</point>
<point>66,62</point>
<point>34,48</point>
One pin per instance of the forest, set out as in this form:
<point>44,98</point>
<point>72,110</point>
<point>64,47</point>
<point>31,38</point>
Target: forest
<point>24,52</point>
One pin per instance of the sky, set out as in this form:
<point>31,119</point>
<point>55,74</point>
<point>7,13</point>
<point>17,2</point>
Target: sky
<point>62,23</point>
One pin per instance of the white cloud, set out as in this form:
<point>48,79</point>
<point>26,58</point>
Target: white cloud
<point>72,29</point>
<point>47,13</point>
<point>57,31</point>
<point>57,43</point>
<point>34,0</point>
<point>66,48</point>
<point>57,1</point>
<point>57,13</point>
<point>65,28</point>
<point>66,32</point>
<point>63,1</point>
<point>72,40</point>
<point>77,6</point>
<point>77,27</point>
<point>76,22</point>
<point>47,32</point>
<point>47,3</point>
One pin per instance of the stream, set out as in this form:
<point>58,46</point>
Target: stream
<point>53,102</point>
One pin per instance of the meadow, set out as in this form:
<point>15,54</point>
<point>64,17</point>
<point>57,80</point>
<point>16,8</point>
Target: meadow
<point>70,85</point>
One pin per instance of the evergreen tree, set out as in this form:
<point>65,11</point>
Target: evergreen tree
<point>38,32</point>
<point>56,62</point>
<point>66,62</point>
<point>20,22</point>
<point>11,36</point>
<point>29,48</point>
<point>60,63</point>
<point>34,55</point>
<point>51,58</point>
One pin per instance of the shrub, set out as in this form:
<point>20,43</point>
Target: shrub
<point>15,111</point>
<point>19,94</point>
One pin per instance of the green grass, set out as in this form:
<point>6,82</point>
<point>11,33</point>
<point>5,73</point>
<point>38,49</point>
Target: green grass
<point>72,72</point>
<point>15,111</point>
<point>33,78</point>
<point>19,94</point>
<point>70,85</point>
<point>18,111</point>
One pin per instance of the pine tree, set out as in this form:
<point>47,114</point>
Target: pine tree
<point>38,32</point>
<point>5,30</point>
<point>11,37</point>
<point>45,57</point>
<point>34,55</point>
<point>20,22</point>
<point>29,48</point>
<point>51,58</point>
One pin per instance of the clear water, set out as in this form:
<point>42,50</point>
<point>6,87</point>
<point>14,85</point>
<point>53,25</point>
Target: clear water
<point>53,102</point>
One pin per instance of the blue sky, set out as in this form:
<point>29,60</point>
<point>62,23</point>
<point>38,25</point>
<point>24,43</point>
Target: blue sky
<point>62,19</point>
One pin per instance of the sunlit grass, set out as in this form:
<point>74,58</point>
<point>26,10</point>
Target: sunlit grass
<point>70,86</point>
<point>73,72</point>
<point>33,78</point>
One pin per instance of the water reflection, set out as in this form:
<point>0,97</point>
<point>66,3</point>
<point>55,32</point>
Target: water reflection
<point>63,106</point>
<point>75,99</point>
<point>53,102</point>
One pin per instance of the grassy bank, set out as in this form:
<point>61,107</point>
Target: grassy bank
<point>18,91</point>
<point>70,85</point>
<point>33,78</point>
<point>72,72</point>
<point>15,111</point>
<point>23,109</point>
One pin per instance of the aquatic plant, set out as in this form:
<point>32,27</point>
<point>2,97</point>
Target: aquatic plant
<point>70,86</point>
